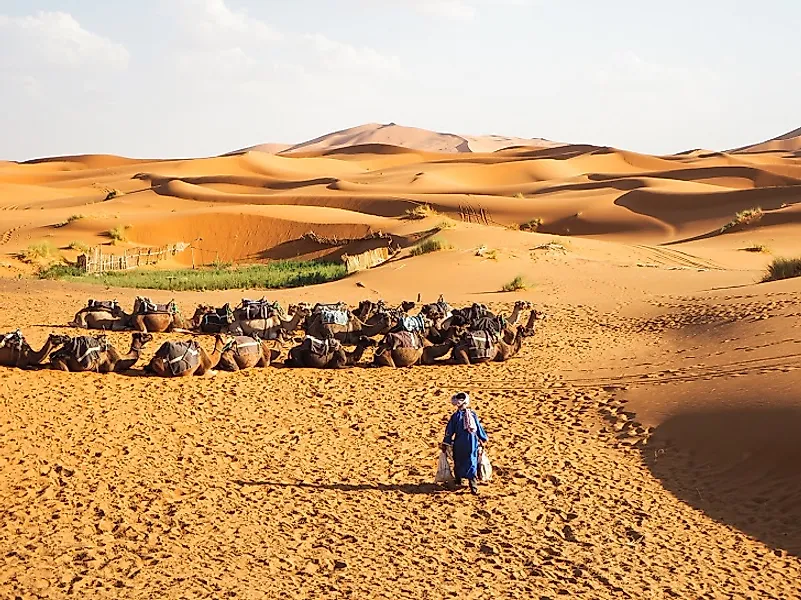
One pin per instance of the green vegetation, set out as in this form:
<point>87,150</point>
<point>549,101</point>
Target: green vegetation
<point>517,284</point>
<point>421,211</point>
<point>59,271</point>
<point>119,233</point>
<point>430,245</point>
<point>37,251</point>
<point>783,268</point>
<point>279,274</point>
<point>752,216</point>
<point>71,219</point>
<point>79,247</point>
<point>532,225</point>
<point>757,248</point>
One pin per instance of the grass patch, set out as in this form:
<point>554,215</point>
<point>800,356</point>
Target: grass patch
<point>421,211</point>
<point>762,248</point>
<point>744,218</point>
<point>532,225</point>
<point>79,247</point>
<point>59,271</point>
<point>118,233</point>
<point>445,224</point>
<point>430,245</point>
<point>783,268</point>
<point>275,275</point>
<point>517,284</point>
<point>37,251</point>
<point>520,196</point>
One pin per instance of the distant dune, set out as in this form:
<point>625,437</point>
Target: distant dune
<point>788,142</point>
<point>404,137</point>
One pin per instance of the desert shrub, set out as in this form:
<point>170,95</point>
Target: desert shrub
<point>79,247</point>
<point>118,233</point>
<point>274,275</point>
<point>59,271</point>
<point>744,218</point>
<point>421,211</point>
<point>71,219</point>
<point>517,284</point>
<point>757,248</point>
<point>532,225</point>
<point>520,196</point>
<point>38,251</point>
<point>445,224</point>
<point>430,245</point>
<point>783,268</point>
<point>112,193</point>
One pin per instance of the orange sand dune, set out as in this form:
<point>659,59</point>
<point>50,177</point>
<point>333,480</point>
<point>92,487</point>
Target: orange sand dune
<point>788,142</point>
<point>644,440</point>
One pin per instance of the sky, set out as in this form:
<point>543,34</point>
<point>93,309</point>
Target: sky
<point>186,78</point>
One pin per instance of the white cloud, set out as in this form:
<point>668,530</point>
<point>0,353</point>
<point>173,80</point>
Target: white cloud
<point>338,55</point>
<point>208,20</point>
<point>56,39</point>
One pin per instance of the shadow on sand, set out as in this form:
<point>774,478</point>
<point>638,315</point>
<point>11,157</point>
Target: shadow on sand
<point>404,488</point>
<point>741,467</point>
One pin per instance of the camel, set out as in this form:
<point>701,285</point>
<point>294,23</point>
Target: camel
<point>476,347</point>
<point>208,319</point>
<point>367,310</point>
<point>107,316</point>
<point>350,333</point>
<point>82,354</point>
<point>16,352</point>
<point>247,352</point>
<point>272,328</point>
<point>184,359</point>
<point>314,353</point>
<point>510,327</point>
<point>406,349</point>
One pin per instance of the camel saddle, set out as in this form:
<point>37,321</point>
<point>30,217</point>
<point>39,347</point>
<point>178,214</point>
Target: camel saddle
<point>416,323</point>
<point>219,316</point>
<point>489,323</point>
<point>335,317</point>
<point>244,344</point>
<point>180,356</point>
<point>335,306</point>
<point>249,310</point>
<point>145,306</point>
<point>320,347</point>
<point>404,339</point>
<point>111,306</point>
<point>84,349</point>
<point>14,340</point>
<point>480,344</point>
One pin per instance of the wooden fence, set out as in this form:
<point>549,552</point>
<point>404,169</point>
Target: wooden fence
<point>365,260</point>
<point>97,262</point>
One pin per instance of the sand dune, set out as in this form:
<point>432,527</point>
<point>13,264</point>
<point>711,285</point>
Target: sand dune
<point>644,442</point>
<point>788,142</point>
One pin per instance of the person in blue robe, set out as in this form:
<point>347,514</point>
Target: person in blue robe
<point>465,435</point>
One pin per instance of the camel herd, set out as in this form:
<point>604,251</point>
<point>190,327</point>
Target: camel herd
<point>256,332</point>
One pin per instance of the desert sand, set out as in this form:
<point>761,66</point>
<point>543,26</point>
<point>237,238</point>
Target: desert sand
<point>645,441</point>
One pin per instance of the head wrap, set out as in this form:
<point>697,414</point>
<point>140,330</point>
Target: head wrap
<point>462,402</point>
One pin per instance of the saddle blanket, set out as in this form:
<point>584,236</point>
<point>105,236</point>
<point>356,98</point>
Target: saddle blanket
<point>14,340</point>
<point>145,306</point>
<point>109,305</point>
<point>480,344</point>
<point>84,349</point>
<point>335,317</point>
<point>180,356</point>
<point>258,309</point>
<point>246,345</point>
<point>414,323</point>
<point>220,316</point>
<point>404,339</point>
<point>320,347</point>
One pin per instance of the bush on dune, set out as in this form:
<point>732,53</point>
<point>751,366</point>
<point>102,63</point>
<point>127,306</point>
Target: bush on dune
<point>783,268</point>
<point>275,275</point>
<point>421,211</point>
<point>430,245</point>
<point>37,251</point>
<point>744,218</point>
<point>517,284</point>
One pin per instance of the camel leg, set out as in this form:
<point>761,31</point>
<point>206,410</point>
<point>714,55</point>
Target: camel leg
<point>228,364</point>
<point>59,365</point>
<point>384,360</point>
<point>461,358</point>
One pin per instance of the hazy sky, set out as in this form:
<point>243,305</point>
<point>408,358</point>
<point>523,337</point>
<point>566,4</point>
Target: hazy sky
<point>164,78</point>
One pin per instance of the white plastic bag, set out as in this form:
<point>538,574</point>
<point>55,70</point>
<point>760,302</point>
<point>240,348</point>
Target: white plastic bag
<point>484,465</point>
<point>444,472</point>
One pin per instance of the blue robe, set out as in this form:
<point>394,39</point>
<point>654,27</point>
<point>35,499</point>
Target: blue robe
<point>465,445</point>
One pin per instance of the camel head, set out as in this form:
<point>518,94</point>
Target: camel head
<point>407,305</point>
<point>523,304</point>
<point>367,342</point>
<point>139,340</point>
<point>58,340</point>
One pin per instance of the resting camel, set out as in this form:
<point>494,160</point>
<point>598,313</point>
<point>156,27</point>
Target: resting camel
<point>184,359</point>
<point>102,316</point>
<point>313,353</point>
<point>16,352</point>
<point>272,328</point>
<point>368,310</point>
<point>476,347</point>
<point>352,332</point>
<point>246,352</point>
<point>407,349</point>
<point>159,323</point>
<point>208,319</point>
<point>96,354</point>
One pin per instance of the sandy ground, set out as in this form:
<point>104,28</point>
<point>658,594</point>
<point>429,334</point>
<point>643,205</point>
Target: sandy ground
<point>645,441</point>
